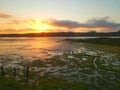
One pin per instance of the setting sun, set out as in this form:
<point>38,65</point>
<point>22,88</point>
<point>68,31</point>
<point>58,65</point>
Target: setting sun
<point>41,26</point>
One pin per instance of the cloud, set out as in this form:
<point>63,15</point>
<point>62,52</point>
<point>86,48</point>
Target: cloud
<point>103,22</point>
<point>5,16</point>
<point>93,23</point>
<point>25,30</point>
<point>8,30</point>
<point>65,23</point>
<point>98,24</point>
<point>17,21</point>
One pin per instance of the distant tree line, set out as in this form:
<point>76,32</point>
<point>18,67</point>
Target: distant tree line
<point>62,34</point>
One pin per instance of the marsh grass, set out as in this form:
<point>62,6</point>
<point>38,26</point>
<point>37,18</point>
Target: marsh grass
<point>43,84</point>
<point>109,45</point>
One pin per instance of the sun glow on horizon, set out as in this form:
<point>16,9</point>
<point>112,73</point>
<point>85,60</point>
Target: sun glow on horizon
<point>41,26</point>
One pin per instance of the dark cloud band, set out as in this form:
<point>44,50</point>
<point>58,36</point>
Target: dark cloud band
<point>93,23</point>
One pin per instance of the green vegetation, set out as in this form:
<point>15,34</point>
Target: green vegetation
<point>43,84</point>
<point>107,62</point>
<point>53,84</point>
<point>103,48</point>
<point>9,84</point>
<point>108,45</point>
<point>104,41</point>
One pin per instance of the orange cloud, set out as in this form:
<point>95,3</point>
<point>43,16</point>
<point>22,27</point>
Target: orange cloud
<point>53,25</point>
<point>18,31</point>
<point>5,16</point>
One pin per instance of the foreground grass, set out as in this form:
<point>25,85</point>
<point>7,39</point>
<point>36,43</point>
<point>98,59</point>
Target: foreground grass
<point>43,84</point>
<point>103,47</point>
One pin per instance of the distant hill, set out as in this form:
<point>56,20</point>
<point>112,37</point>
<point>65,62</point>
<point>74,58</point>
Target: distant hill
<point>62,34</point>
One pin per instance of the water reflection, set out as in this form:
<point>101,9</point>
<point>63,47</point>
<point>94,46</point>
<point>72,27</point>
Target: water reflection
<point>34,48</point>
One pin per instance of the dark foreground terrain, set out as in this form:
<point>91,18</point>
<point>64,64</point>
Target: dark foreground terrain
<point>94,65</point>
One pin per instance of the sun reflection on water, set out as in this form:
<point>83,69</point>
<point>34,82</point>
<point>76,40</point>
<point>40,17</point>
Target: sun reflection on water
<point>33,48</point>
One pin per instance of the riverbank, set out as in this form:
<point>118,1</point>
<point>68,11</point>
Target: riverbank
<point>109,45</point>
<point>102,41</point>
<point>83,65</point>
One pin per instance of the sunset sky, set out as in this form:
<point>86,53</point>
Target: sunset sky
<point>34,16</point>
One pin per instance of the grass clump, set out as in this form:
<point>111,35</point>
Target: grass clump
<point>57,84</point>
<point>43,84</point>
<point>9,84</point>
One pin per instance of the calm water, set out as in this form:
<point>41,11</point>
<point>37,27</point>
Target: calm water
<point>33,48</point>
